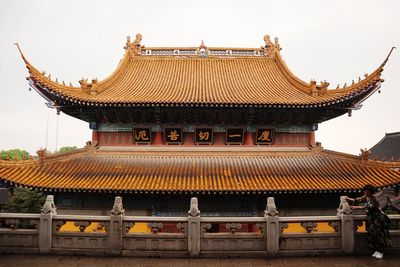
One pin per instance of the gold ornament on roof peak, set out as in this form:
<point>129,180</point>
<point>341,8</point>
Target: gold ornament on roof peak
<point>271,48</point>
<point>134,48</point>
<point>203,51</point>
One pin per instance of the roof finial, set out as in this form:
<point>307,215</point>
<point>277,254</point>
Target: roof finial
<point>365,154</point>
<point>267,41</point>
<point>271,48</point>
<point>138,39</point>
<point>277,45</point>
<point>203,51</point>
<point>128,42</point>
<point>135,47</point>
<point>202,45</point>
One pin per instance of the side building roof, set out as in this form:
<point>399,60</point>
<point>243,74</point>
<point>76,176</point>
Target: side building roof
<point>388,148</point>
<point>183,170</point>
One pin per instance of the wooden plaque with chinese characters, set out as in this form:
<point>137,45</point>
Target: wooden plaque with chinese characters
<point>173,135</point>
<point>234,136</point>
<point>142,135</point>
<point>203,136</point>
<point>264,136</point>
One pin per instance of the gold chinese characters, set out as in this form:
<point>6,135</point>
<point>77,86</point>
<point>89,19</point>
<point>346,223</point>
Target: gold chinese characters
<point>142,135</point>
<point>203,136</point>
<point>264,136</point>
<point>173,135</point>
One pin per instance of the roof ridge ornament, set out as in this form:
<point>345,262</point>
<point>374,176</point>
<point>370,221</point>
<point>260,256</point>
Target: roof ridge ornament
<point>89,88</point>
<point>271,48</point>
<point>203,50</point>
<point>42,154</point>
<point>134,48</point>
<point>318,89</point>
<point>365,154</point>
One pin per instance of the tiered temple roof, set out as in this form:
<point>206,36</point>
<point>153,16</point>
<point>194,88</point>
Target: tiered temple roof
<point>179,170</point>
<point>254,79</point>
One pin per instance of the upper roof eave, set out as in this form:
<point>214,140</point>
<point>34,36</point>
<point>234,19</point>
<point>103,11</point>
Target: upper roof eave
<point>319,93</point>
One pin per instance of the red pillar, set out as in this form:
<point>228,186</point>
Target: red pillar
<point>95,137</point>
<point>157,139</point>
<point>311,138</point>
<point>248,139</point>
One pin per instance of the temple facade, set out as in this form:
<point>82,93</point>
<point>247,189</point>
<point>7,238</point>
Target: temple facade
<point>230,126</point>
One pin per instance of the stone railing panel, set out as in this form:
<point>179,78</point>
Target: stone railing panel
<point>193,236</point>
<point>214,241</point>
<point>311,240</point>
<point>165,234</point>
<point>19,231</point>
<point>78,236</point>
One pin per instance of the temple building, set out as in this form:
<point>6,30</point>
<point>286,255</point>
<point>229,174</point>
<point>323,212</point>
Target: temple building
<point>228,125</point>
<point>388,148</point>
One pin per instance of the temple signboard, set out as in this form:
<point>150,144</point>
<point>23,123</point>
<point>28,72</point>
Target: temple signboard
<point>234,136</point>
<point>203,135</point>
<point>142,135</point>
<point>264,136</point>
<point>173,135</point>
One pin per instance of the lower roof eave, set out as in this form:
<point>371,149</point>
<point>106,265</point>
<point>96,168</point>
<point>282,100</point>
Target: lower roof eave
<point>194,192</point>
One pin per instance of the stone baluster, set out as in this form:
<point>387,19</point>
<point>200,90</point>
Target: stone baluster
<point>46,221</point>
<point>272,230</point>
<point>194,231</point>
<point>116,225</point>
<point>347,225</point>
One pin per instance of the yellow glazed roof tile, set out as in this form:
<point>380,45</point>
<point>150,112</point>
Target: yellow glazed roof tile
<point>198,171</point>
<point>174,78</point>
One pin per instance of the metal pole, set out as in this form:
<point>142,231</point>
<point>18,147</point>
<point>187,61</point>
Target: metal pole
<point>47,130</point>
<point>57,134</point>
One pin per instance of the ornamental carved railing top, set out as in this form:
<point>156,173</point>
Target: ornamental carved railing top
<point>194,207</point>
<point>49,207</point>
<point>271,208</point>
<point>117,208</point>
<point>344,207</point>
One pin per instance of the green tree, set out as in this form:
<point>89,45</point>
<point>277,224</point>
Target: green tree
<point>67,148</point>
<point>14,154</point>
<point>25,200</point>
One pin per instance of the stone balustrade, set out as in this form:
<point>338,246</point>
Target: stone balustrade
<point>191,236</point>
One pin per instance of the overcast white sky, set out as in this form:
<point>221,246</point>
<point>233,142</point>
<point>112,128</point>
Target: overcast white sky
<point>335,41</point>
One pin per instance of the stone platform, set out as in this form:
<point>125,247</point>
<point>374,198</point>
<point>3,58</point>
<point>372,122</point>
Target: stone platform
<point>60,261</point>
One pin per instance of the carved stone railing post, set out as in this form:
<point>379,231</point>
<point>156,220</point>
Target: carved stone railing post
<point>272,227</point>
<point>347,225</point>
<point>46,222</point>
<point>194,230</point>
<point>116,222</point>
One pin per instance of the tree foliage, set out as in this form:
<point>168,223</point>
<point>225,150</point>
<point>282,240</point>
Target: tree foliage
<point>14,154</point>
<point>25,200</point>
<point>67,148</point>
